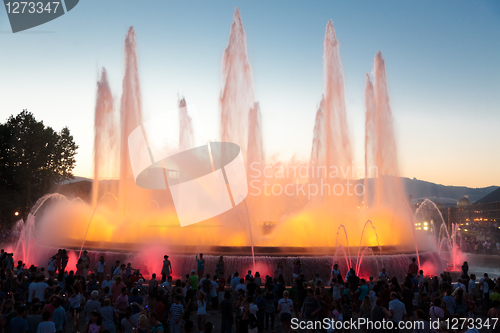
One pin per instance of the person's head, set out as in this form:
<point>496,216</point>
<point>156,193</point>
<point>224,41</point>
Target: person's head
<point>485,275</point>
<point>437,302</point>
<point>94,294</point>
<point>107,302</point>
<point>383,270</point>
<point>421,272</point>
<point>394,296</point>
<point>310,292</point>
<point>193,272</point>
<point>124,291</point>
<point>201,255</point>
<point>473,276</point>
<point>165,257</point>
<point>153,318</point>
<point>413,260</point>
<point>128,311</point>
<point>286,295</point>
<point>242,281</point>
<point>257,274</point>
<point>208,327</point>
<point>101,259</point>
<point>8,305</point>
<point>122,266</point>
<point>177,298</point>
<point>95,316</point>
<point>379,302</point>
<point>227,295</point>
<point>22,311</point>
<point>153,276</point>
<point>336,266</point>
<point>366,302</point>
<point>143,321</point>
<point>420,314</point>
<point>46,315</point>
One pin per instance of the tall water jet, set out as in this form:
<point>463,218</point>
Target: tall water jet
<point>388,185</point>
<point>370,136</point>
<point>337,146</point>
<point>130,118</point>
<point>186,129</point>
<point>255,149</point>
<point>318,144</point>
<point>105,138</point>
<point>237,95</point>
<point>318,150</point>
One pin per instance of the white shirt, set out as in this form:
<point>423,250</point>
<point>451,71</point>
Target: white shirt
<point>46,327</point>
<point>39,289</point>
<point>213,290</point>
<point>436,313</point>
<point>286,305</point>
<point>253,308</point>
<point>202,309</point>
<point>30,290</point>
<point>399,310</point>
<point>109,284</point>
<point>485,287</point>
<point>472,286</point>
<point>118,271</point>
<point>336,288</point>
<point>52,265</point>
<point>383,276</point>
<point>100,267</point>
<point>242,287</point>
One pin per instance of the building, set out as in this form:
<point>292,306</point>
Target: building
<point>484,213</point>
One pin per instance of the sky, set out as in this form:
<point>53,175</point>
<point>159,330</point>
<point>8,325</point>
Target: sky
<point>442,60</point>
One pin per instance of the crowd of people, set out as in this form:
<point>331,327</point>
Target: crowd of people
<point>56,299</point>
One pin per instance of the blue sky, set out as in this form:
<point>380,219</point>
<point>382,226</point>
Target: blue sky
<point>442,59</point>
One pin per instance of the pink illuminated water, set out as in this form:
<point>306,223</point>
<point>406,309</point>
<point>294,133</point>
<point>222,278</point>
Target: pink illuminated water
<point>237,96</point>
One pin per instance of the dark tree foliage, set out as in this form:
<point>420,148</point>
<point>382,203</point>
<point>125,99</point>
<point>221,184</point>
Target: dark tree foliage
<point>33,158</point>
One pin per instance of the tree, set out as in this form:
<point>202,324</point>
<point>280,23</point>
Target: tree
<point>33,158</point>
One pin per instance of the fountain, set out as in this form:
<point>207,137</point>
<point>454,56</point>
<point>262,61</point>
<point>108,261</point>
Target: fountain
<point>266,229</point>
<point>438,239</point>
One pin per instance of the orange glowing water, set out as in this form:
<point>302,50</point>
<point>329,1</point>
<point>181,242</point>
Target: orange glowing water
<point>144,218</point>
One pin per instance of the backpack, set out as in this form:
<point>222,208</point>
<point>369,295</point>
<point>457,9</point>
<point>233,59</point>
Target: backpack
<point>491,284</point>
